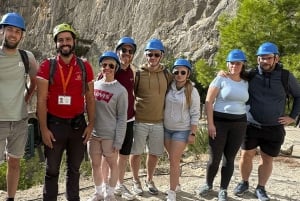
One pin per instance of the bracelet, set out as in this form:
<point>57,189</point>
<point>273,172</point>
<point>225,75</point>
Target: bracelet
<point>193,134</point>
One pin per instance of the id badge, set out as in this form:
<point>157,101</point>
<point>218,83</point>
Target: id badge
<point>64,100</point>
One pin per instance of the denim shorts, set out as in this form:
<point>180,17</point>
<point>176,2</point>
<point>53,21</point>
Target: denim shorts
<point>149,136</point>
<point>181,136</point>
<point>13,138</point>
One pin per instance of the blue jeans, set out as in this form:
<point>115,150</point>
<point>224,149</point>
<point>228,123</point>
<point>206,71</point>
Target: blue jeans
<point>69,139</point>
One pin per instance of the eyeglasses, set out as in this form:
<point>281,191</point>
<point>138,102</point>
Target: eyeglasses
<point>124,50</point>
<point>181,72</point>
<point>151,55</point>
<point>111,66</point>
<point>266,58</point>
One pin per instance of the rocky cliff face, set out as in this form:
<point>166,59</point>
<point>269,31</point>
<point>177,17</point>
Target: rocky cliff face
<point>186,27</point>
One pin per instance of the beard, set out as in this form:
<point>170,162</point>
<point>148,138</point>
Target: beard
<point>9,45</point>
<point>67,52</point>
<point>267,67</point>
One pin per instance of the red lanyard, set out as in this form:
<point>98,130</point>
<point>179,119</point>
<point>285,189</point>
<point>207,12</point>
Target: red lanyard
<point>63,81</point>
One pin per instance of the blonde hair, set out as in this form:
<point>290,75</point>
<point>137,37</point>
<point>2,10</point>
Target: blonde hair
<point>188,92</point>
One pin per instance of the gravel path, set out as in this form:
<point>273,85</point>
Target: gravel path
<point>284,184</point>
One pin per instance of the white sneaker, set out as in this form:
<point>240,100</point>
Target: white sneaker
<point>177,189</point>
<point>122,191</point>
<point>110,198</point>
<point>96,197</point>
<point>137,188</point>
<point>109,193</point>
<point>171,196</point>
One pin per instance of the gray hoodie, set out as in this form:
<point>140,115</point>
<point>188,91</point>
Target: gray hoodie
<point>178,116</point>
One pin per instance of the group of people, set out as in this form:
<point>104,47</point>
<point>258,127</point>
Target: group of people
<point>120,114</point>
<point>247,109</point>
<point>126,110</point>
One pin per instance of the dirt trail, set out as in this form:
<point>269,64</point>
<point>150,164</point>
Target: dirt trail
<point>284,184</point>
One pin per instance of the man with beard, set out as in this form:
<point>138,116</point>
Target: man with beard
<point>266,118</point>
<point>151,85</point>
<point>13,115</point>
<point>61,107</point>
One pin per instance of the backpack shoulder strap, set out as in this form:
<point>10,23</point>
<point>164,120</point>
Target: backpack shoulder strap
<point>138,75</point>
<point>82,68</point>
<point>166,73</point>
<point>285,83</point>
<point>285,80</point>
<point>167,76</point>
<point>85,86</point>
<point>52,69</point>
<point>137,80</point>
<point>25,61</point>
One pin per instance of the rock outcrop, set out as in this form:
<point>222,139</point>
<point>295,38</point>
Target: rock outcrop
<point>186,27</point>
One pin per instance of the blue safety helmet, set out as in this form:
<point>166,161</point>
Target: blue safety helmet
<point>126,40</point>
<point>267,48</point>
<point>155,44</point>
<point>13,19</point>
<point>236,55</point>
<point>182,62</point>
<point>112,55</point>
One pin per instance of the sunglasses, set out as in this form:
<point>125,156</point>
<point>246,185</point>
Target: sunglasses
<point>151,55</point>
<point>111,66</point>
<point>124,51</point>
<point>181,72</point>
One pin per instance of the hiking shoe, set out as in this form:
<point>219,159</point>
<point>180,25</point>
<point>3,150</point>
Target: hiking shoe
<point>261,194</point>
<point>122,191</point>
<point>137,188</point>
<point>204,190</point>
<point>241,188</point>
<point>151,188</point>
<point>222,196</point>
<point>171,196</point>
<point>177,189</point>
<point>96,197</point>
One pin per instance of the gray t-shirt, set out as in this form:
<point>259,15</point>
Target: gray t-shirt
<point>12,85</point>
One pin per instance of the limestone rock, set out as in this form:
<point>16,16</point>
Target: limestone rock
<point>186,27</point>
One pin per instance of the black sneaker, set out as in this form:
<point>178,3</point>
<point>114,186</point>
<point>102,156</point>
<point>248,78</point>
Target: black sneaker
<point>261,194</point>
<point>241,188</point>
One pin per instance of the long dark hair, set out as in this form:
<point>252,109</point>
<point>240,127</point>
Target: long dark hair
<point>243,73</point>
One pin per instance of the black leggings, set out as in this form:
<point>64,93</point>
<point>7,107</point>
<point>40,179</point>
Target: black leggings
<point>225,146</point>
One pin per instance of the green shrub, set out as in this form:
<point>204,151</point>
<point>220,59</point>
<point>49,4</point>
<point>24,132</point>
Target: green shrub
<point>201,144</point>
<point>31,174</point>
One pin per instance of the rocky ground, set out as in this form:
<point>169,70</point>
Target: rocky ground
<point>282,186</point>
